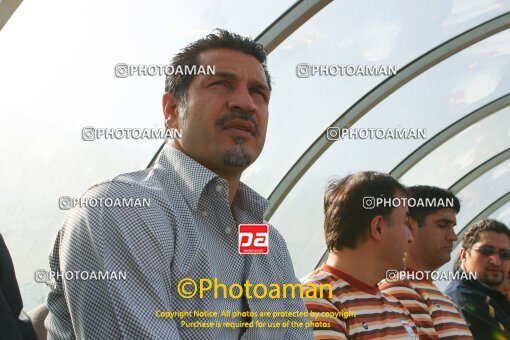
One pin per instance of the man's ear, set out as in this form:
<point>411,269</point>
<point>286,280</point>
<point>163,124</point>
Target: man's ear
<point>463,257</point>
<point>463,254</point>
<point>414,227</point>
<point>376,227</point>
<point>171,110</point>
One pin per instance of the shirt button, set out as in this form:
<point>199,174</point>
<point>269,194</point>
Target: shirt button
<point>228,230</point>
<point>205,213</point>
<point>219,188</point>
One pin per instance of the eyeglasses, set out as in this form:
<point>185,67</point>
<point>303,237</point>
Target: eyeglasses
<point>504,254</point>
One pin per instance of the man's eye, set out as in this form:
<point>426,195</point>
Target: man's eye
<point>220,83</point>
<point>504,254</point>
<point>488,251</point>
<point>260,93</point>
<point>257,92</point>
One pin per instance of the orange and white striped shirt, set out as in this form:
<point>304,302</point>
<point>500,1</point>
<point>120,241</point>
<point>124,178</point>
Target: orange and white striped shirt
<point>434,313</point>
<point>356,310</point>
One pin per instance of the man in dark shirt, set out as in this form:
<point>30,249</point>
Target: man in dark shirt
<point>11,327</point>
<point>485,252</point>
<point>504,287</point>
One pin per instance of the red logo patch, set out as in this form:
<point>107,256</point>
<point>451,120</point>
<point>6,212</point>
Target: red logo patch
<point>253,239</point>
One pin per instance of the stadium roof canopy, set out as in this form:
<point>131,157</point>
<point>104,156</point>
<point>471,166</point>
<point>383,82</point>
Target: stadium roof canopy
<point>453,83</point>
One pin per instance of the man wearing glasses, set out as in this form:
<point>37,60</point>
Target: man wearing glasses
<point>485,252</point>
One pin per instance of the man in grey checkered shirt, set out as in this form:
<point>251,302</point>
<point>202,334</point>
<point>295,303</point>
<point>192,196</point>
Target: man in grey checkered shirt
<point>189,231</point>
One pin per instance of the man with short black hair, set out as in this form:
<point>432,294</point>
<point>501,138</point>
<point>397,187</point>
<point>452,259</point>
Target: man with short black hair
<point>365,237</point>
<point>187,239</point>
<point>486,253</point>
<point>432,221</point>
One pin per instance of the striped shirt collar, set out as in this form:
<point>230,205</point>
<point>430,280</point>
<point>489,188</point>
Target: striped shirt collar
<point>193,177</point>
<point>372,290</point>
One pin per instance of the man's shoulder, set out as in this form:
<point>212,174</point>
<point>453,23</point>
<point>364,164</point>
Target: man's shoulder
<point>129,196</point>
<point>400,290</point>
<point>317,277</point>
<point>275,235</point>
<point>341,290</point>
<point>115,186</point>
<point>145,183</point>
<point>146,180</point>
<point>330,288</point>
<point>394,285</point>
<point>418,287</point>
<point>278,250</point>
<point>462,290</point>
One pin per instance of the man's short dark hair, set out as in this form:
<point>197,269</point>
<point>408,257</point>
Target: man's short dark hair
<point>473,234</point>
<point>346,220</point>
<point>177,84</point>
<point>425,192</point>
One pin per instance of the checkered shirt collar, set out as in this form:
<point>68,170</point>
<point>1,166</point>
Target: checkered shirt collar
<point>193,177</point>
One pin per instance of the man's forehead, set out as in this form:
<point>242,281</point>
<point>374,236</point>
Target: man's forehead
<point>234,62</point>
<point>443,214</point>
<point>492,238</point>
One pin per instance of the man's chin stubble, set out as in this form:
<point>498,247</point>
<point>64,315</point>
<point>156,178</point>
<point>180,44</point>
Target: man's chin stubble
<point>237,157</point>
<point>493,281</point>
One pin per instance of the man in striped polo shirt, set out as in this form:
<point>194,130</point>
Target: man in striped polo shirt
<point>366,230</point>
<point>432,226</point>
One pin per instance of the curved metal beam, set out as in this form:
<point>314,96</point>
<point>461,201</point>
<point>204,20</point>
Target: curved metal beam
<point>278,31</point>
<point>7,8</point>
<point>289,22</point>
<point>379,93</point>
<point>480,170</point>
<point>484,214</point>
<point>449,132</point>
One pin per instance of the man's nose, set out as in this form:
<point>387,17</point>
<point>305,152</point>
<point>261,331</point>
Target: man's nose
<point>241,99</point>
<point>452,236</point>
<point>495,259</point>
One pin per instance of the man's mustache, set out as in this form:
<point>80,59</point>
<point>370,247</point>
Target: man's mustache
<point>498,268</point>
<point>238,114</point>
